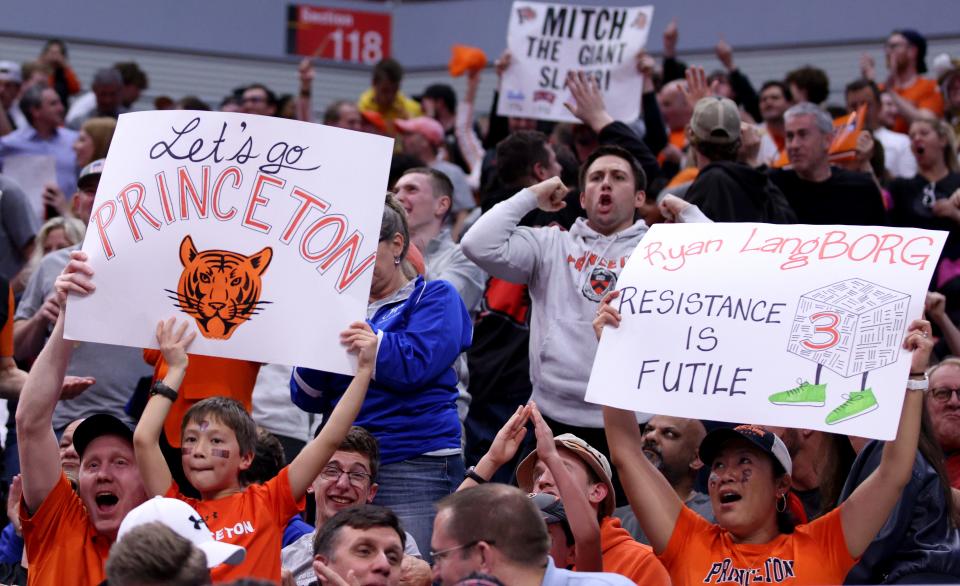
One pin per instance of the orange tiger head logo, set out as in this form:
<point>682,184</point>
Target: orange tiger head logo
<point>220,289</point>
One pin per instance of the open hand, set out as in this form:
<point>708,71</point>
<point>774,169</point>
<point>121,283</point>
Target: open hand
<point>173,340</point>
<point>697,87</point>
<point>73,386</point>
<point>587,104</point>
<point>507,441</point>
<point>546,447</point>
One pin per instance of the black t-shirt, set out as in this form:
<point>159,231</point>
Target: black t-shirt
<point>847,197</point>
<point>912,207</point>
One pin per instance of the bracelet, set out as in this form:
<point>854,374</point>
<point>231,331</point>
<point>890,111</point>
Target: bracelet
<point>918,375</point>
<point>918,384</point>
<point>161,388</point>
<point>471,473</point>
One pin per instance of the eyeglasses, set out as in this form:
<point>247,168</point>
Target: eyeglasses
<point>439,556</point>
<point>942,394</point>
<point>356,478</point>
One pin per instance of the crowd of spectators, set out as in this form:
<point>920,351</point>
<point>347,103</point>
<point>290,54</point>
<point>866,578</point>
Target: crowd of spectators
<point>500,246</point>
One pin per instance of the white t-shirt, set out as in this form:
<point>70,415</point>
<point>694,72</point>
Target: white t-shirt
<point>897,156</point>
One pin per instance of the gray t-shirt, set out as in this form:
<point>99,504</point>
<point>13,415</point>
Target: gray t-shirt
<point>698,502</point>
<point>116,368</point>
<point>19,224</point>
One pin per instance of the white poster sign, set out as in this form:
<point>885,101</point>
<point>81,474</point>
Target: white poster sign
<point>548,40</point>
<point>796,326</point>
<point>32,173</point>
<point>261,232</point>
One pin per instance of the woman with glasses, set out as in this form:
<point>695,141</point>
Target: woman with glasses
<point>924,201</point>
<point>411,405</point>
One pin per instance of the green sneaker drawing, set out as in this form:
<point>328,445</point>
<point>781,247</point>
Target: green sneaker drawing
<point>857,403</point>
<point>803,395</point>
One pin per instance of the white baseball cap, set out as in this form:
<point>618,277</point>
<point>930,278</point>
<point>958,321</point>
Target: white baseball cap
<point>186,522</point>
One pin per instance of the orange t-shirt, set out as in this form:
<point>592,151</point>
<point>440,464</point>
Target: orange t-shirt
<point>62,546</point>
<point>701,552</point>
<point>254,519</point>
<point>207,376</point>
<point>6,328</point>
<point>678,138</point>
<point>623,555</point>
<point>922,93</point>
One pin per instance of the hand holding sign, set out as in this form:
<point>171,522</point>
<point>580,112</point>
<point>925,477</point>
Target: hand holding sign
<point>77,278</point>
<point>919,342</point>
<point>606,314</point>
<point>550,194</point>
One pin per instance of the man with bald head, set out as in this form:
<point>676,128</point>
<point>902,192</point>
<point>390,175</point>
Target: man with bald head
<point>943,405</point>
<point>676,111</point>
<point>671,444</point>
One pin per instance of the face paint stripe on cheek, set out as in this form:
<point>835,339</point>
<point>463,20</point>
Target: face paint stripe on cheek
<point>220,453</point>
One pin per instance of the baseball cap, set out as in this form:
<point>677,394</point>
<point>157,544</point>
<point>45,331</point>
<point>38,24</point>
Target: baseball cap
<point>590,456</point>
<point>98,425</point>
<point>428,127</point>
<point>765,440</point>
<point>185,521</point>
<point>716,120</point>
<point>10,71</point>
<point>550,507</point>
<point>90,172</point>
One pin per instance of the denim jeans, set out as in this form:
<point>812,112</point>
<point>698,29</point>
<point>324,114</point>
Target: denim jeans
<point>410,488</point>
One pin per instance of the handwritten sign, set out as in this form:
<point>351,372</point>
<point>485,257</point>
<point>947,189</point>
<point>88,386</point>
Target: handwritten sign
<point>549,40</point>
<point>260,232</point>
<point>337,34</point>
<point>797,326</point>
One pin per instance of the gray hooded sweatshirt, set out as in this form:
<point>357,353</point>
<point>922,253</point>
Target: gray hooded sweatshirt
<point>568,273</point>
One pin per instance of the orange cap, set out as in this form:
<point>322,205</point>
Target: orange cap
<point>464,58</point>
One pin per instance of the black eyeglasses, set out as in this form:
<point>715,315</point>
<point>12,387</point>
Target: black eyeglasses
<point>334,473</point>
<point>942,394</point>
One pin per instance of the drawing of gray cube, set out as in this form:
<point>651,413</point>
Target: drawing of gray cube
<point>850,327</point>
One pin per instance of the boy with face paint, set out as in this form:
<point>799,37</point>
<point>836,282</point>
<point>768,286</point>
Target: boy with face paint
<point>218,441</point>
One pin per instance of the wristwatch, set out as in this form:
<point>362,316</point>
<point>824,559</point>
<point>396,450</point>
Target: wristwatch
<point>471,473</point>
<point>918,384</point>
<point>160,388</point>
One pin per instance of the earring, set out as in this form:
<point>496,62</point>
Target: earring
<point>396,260</point>
<point>782,499</point>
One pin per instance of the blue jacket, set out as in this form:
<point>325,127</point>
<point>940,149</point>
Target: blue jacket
<point>918,540</point>
<point>411,404</point>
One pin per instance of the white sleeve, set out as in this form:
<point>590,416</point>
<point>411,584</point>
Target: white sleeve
<point>501,247</point>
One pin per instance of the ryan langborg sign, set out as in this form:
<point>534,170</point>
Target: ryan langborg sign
<point>260,232</point>
<point>547,41</point>
<point>797,326</point>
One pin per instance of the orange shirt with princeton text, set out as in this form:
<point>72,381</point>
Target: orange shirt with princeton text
<point>207,376</point>
<point>255,519</point>
<point>700,552</point>
<point>922,93</point>
<point>61,544</point>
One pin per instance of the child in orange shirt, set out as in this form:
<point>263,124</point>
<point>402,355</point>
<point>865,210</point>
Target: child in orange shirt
<point>218,442</point>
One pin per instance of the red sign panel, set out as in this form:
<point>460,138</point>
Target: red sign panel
<point>336,34</point>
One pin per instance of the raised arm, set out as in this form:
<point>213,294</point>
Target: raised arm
<point>651,497</point>
<point>580,514</point>
<point>154,471</point>
<point>867,509</point>
<point>503,448</point>
<point>503,248</point>
<point>37,445</point>
<point>360,339</point>
<point>936,309</point>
